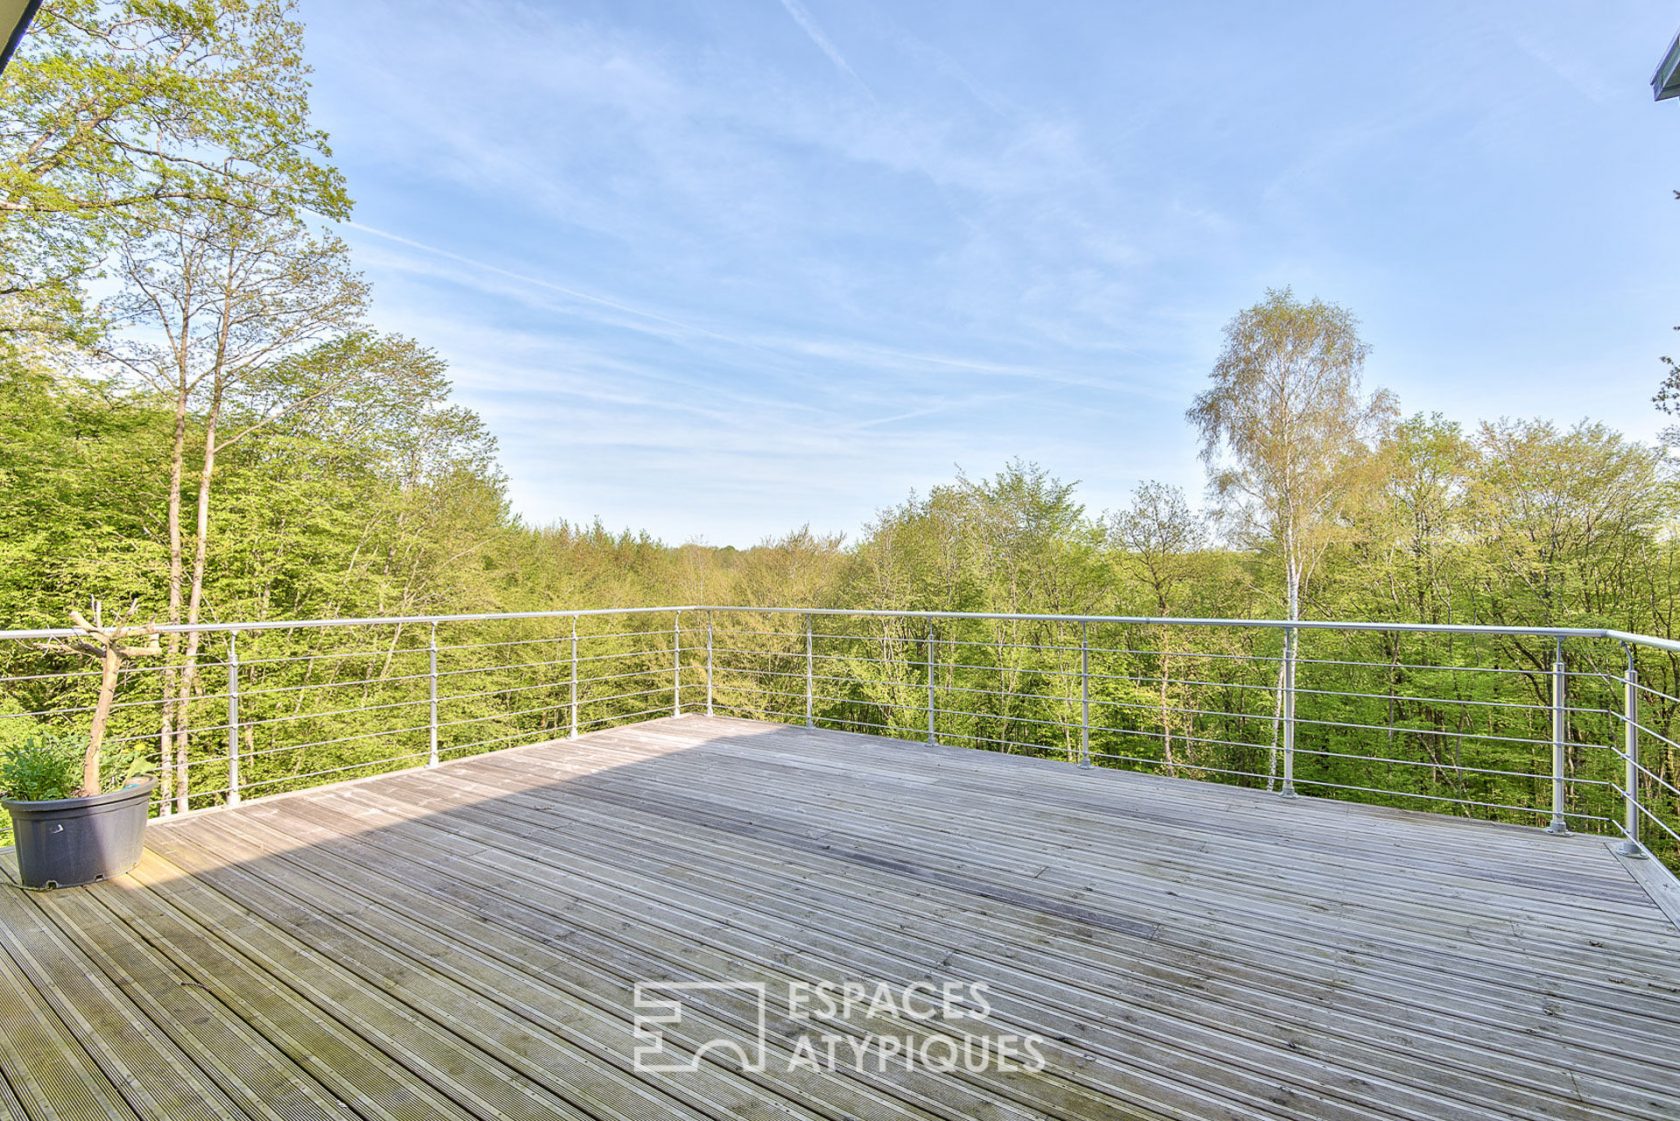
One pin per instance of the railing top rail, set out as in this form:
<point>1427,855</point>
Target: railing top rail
<point>1651,641</point>
<point>368,621</point>
<point>1193,621</point>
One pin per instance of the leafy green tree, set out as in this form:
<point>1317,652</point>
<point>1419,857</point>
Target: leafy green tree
<point>1288,435</point>
<point>1286,432</point>
<point>80,504</point>
<point>1567,518</point>
<point>217,310</point>
<point>1019,541</point>
<point>111,109</point>
<point>1406,552</point>
<point>1161,539</point>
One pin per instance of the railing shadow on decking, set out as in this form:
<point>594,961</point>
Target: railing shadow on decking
<point>1568,728</point>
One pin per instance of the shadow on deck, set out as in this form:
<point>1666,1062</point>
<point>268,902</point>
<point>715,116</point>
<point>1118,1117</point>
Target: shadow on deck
<point>465,942</point>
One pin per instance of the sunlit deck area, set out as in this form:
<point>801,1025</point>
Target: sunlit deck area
<point>463,941</point>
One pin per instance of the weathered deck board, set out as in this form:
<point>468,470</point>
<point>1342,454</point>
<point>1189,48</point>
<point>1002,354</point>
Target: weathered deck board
<point>462,942</point>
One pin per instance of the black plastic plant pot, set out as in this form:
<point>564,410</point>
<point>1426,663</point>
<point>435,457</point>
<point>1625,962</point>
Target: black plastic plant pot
<point>71,841</point>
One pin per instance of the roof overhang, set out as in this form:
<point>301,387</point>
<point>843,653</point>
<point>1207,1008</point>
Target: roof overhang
<point>14,21</point>
<point>1665,83</point>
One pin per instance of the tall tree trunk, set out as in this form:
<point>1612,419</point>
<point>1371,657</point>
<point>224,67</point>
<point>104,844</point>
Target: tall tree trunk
<point>1277,724</point>
<point>110,667</point>
<point>1292,592</point>
<point>195,602</point>
<point>172,715</point>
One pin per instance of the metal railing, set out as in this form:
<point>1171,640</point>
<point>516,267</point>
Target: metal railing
<point>1538,725</point>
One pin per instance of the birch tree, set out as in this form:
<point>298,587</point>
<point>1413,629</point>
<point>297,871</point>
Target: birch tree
<point>1286,431</point>
<point>1289,438</point>
<point>218,312</point>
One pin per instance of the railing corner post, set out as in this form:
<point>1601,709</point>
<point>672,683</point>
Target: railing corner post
<point>432,695</point>
<point>676,665</point>
<point>233,718</point>
<point>1287,790</point>
<point>1630,846</point>
<point>1559,825</point>
<point>1084,695</point>
<point>709,663</point>
<point>932,707</point>
<point>810,676</point>
<point>574,729</point>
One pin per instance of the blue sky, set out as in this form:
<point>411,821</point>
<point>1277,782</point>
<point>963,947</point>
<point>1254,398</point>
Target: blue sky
<point>718,268</point>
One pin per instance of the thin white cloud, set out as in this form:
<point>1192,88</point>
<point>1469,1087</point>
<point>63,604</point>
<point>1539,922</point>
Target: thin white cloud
<point>543,283</point>
<point>802,16</point>
<point>523,286</point>
<point>1571,71</point>
<point>665,230</point>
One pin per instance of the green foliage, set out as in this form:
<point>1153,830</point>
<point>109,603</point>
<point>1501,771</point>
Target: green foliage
<point>42,767</point>
<point>124,765</point>
<point>1286,432</point>
<point>114,109</point>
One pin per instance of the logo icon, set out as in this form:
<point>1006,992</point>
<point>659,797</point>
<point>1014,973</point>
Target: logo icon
<point>661,1004</point>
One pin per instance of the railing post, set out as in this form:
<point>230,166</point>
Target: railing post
<point>574,732</point>
<point>1288,789</point>
<point>810,674</point>
<point>233,718</point>
<point>1630,845</point>
<point>708,663</point>
<point>1084,695</point>
<point>932,737</point>
<point>432,695</point>
<point>676,666</point>
<point>166,769</point>
<point>1560,735</point>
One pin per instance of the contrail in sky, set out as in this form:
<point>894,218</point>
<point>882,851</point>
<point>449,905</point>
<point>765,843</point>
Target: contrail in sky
<point>802,16</point>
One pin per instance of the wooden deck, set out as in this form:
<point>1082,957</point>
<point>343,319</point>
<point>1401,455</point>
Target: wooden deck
<point>463,942</point>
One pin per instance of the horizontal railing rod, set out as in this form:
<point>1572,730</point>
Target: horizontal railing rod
<point>367,621</point>
<point>1154,620</point>
<point>1061,699</point>
<point>872,613</point>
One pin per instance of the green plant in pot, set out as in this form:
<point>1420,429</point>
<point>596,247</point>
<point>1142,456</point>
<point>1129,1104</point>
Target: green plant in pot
<point>78,812</point>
